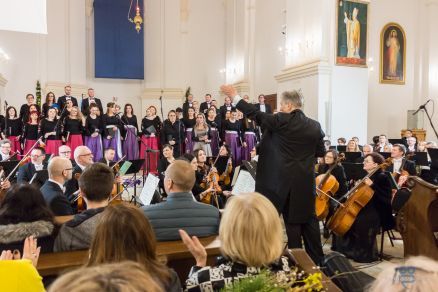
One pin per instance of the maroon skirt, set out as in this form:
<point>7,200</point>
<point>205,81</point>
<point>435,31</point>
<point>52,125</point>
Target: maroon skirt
<point>74,141</point>
<point>52,146</point>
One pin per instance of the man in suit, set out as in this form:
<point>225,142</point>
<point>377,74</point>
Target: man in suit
<point>186,105</point>
<point>411,144</point>
<point>63,99</point>
<point>226,107</point>
<point>85,106</point>
<point>26,172</point>
<point>95,184</point>
<point>83,158</point>
<point>398,153</point>
<point>262,106</point>
<point>108,157</point>
<point>181,211</point>
<point>5,151</point>
<point>285,168</point>
<point>60,170</point>
<point>206,104</point>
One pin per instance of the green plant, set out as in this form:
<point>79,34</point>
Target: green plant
<point>38,93</point>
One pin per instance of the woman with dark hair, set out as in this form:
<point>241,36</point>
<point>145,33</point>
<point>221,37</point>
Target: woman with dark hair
<point>214,122</point>
<point>359,243</point>
<point>50,131</point>
<point>173,133</point>
<point>164,162</point>
<point>150,127</point>
<point>24,212</point>
<point>249,137</point>
<point>92,132</point>
<point>232,132</point>
<point>73,129</point>
<point>130,126</point>
<point>189,123</point>
<point>30,131</point>
<point>112,130</point>
<point>124,233</point>
<point>13,129</point>
<point>25,108</point>
<point>197,190</point>
<point>50,100</point>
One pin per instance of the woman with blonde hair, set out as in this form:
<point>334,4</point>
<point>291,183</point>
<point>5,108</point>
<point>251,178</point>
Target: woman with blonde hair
<point>201,135</point>
<point>251,238</point>
<point>124,233</point>
<point>352,146</point>
<point>125,276</point>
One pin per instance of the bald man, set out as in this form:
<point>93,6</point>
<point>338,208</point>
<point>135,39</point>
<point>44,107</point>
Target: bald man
<point>60,170</point>
<point>83,157</point>
<point>181,211</point>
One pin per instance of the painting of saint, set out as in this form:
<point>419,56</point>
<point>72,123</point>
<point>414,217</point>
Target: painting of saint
<point>392,54</point>
<point>351,49</point>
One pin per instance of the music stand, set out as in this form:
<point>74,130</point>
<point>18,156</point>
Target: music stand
<point>420,158</point>
<point>8,166</point>
<point>40,177</point>
<point>341,148</point>
<point>433,153</point>
<point>354,171</point>
<point>396,141</point>
<point>352,156</point>
<point>385,155</point>
<point>135,167</point>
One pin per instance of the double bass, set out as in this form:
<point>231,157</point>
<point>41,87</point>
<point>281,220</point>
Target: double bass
<point>326,187</point>
<point>357,198</point>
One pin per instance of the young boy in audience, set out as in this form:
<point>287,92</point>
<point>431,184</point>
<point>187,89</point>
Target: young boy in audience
<point>95,185</point>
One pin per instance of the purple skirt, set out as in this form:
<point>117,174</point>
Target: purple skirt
<point>250,139</point>
<point>233,141</point>
<point>214,144</point>
<point>188,141</point>
<point>95,145</point>
<point>130,145</point>
<point>114,143</point>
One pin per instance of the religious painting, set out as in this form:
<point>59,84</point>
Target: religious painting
<point>351,33</point>
<point>392,54</point>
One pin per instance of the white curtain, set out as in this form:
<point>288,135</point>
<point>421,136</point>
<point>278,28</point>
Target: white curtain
<point>23,15</point>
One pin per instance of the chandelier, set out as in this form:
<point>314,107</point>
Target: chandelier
<point>138,20</point>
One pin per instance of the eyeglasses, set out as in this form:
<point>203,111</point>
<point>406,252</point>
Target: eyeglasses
<point>88,154</point>
<point>36,156</point>
<point>65,152</point>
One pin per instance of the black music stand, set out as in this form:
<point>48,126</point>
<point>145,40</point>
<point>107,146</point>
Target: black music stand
<point>420,158</point>
<point>352,156</point>
<point>396,141</point>
<point>135,167</point>
<point>354,171</point>
<point>8,166</point>
<point>39,178</point>
<point>341,148</point>
<point>385,155</point>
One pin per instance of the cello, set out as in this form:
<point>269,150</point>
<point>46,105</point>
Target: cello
<point>326,187</point>
<point>357,198</point>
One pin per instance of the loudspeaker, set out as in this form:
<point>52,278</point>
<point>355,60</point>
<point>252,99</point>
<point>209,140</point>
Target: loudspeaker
<point>415,122</point>
<point>350,280</point>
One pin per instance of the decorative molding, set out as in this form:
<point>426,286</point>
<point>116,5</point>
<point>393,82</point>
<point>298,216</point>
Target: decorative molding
<point>304,70</point>
<point>169,93</point>
<point>3,81</point>
<point>58,88</point>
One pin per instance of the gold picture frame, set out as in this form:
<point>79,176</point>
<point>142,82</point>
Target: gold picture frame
<point>393,54</point>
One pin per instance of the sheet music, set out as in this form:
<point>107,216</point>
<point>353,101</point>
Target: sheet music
<point>148,190</point>
<point>236,173</point>
<point>244,183</point>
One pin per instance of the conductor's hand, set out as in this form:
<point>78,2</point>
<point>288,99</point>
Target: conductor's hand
<point>368,182</point>
<point>229,90</point>
<point>195,247</point>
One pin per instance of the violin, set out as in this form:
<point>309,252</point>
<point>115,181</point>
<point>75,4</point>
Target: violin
<point>226,176</point>
<point>357,198</point>
<point>79,199</point>
<point>211,181</point>
<point>326,187</point>
<point>117,188</point>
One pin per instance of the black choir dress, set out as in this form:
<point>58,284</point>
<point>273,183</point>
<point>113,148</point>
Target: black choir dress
<point>188,125</point>
<point>114,141</point>
<point>14,131</point>
<point>53,142</point>
<point>173,132</point>
<point>94,143</point>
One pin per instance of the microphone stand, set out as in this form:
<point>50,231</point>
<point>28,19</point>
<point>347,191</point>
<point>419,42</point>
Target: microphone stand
<point>161,105</point>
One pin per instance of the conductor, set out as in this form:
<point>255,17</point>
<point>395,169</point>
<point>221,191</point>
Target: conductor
<point>285,169</point>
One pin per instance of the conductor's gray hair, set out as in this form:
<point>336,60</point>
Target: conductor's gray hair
<point>294,97</point>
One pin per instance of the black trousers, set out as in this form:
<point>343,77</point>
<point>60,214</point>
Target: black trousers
<point>307,232</point>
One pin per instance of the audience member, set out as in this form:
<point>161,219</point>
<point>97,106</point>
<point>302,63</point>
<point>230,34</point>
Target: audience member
<point>124,233</point>
<point>95,185</point>
<point>180,211</point>
<point>251,238</point>
<point>60,170</point>
<point>23,213</point>
<point>125,276</point>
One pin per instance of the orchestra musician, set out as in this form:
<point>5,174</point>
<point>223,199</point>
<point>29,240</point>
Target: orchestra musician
<point>359,243</point>
<point>5,150</point>
<point>399,161</point>
<point>150,127</point>
<point>14,129</point>
<point>83,158</point>
<point>130,132</point>
<point>164,162</point>
<point>27,171</point>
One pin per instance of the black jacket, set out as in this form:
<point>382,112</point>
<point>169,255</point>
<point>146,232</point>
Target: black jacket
<point>63,99</point>
<point>409,166</point>
<point>86,104</point>
<point>26,172</point>
<point>268,108</point>
<point>55,199</point>
<point>285,169</point>
<point>72,185</point>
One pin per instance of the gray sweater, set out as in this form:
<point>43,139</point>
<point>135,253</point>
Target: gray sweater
<point>77,233</point>
<point>180,211</point>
